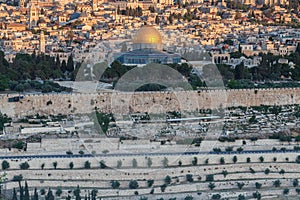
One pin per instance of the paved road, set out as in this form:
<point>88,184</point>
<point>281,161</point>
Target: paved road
<point>142,154</point>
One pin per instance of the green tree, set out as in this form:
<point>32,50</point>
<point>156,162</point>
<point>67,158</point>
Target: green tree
<point>71,165</point>
<point>54,164</point>
<point>76,193</point>
<point>277,183</point>
<point>24,165</point>
<point>222,160</point>
<point>134,163</point>
<point>102,164</point>
<point>165,162</point>
<point>206,161</point>
<point>234,159</point>
<point>115,184</point>
<point>35,195</point>
<point>150,182</point>
<point>26,192</point>
<point>189,178</point>
<point>58,192</point>
<point>216,196</point>
<point>167,179</point>
<point>240,185</point>
<point>163,187</point>
<point>225,173</point>
<point>149,162</point>
<point>70,64</point>
<point>63,66</point>
<point>133,184</point>
<point>188,198</point>
<point>87,165</point>
<point>211,186</point>
<point>267,171</point>
<point>261,159</point>
<point>209,177</point>
<point>295,182</point>
<point>49,195</point>
<point>179,163</point>
<point>42,191</point>
<point>298,159</point>
<point>81,152</point>
<point>194,161</point>
<point>15,195</point>
<point>258,185</point>
<point>5,165</point>
<point>282,171</point>
<point>94,194</point>
<point>256,195</point>
<point>119,164</point>
<point>248,160</point>
<point>240,149</point>
<point>286,191</point>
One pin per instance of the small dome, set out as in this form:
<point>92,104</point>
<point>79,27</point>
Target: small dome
<point>147,35</point>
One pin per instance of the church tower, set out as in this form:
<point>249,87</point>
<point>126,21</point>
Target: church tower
<point>42,43</point>
<point>33,16</point>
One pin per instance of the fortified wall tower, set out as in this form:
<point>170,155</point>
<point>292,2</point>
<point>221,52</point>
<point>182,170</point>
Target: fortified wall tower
<point>151,102</point>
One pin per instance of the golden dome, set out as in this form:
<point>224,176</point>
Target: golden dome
<point>147,35</point>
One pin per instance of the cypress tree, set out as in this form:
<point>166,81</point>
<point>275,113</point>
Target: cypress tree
<point>21,193</point>
<point>57,62</point>
<point>35,195</point>
<point>26,192</point>
<point>70,64</point>
<point>49,195</point>
<point>63,66</point>
<point>15,195</point>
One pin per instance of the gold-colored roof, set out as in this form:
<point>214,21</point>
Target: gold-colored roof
<point>147,35</point>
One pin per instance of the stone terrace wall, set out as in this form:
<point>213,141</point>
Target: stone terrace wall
<point>151,102</point>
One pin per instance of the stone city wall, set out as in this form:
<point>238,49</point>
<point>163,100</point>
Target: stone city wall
<point>151,102</point>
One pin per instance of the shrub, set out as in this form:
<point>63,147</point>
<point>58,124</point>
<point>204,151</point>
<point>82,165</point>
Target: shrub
<point>24,165</point>
<point>17,178</point>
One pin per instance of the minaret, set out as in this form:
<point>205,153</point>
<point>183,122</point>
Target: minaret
<point>33,16</point>
<point>42,43</point>
<point>95,5</point>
